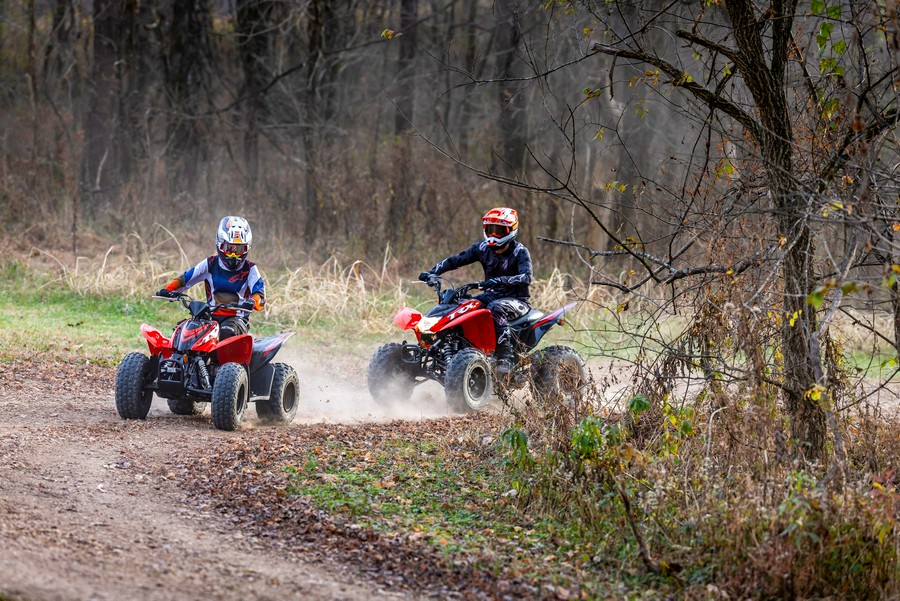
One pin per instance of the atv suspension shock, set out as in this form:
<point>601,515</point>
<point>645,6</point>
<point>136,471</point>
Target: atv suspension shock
<point>202,373</point>
<point>446,352</point>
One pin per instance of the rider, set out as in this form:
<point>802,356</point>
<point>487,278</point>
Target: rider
<point>507,274</point>
<point>228,277</point>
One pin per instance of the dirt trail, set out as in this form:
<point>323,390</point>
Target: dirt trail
<point>89,508</point>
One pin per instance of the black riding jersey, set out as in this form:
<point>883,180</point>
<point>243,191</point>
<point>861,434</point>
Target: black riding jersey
<point>512,267</point>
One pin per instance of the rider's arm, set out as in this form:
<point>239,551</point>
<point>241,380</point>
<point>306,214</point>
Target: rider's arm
<point>466,257</point>
<point>190,277</point>
<point>257,288</point>
<point>525,272</point>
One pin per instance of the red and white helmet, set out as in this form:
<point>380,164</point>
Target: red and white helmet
<point>501,225</point>
<point>233,239</point>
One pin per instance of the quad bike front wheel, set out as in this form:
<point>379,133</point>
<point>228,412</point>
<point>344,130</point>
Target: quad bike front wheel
<point>229,397</point>
<point>389,379</point>
<point>558,373</point>
<point>133,398</point>
<point>281,408</point>
<point>468,383</point>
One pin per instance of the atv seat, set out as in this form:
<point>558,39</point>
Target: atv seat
<point>529,317</point>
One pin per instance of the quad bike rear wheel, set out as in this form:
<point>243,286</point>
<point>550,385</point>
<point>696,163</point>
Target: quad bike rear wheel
<point>389,379</point>
<point>185,406</point>
<point>558,373</point>
<point>281,408</point>
<point>229,397</point>
<point>133,399</point>
<point>468,383</point>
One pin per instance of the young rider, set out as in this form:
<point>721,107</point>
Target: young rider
<point>228,277</point>
<point>507,275</point>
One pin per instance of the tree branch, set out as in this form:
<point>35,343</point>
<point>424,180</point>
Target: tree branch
<point>680,80</point>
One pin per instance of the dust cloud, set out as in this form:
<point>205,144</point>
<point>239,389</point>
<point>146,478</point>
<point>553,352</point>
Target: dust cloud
<point>333,390</point>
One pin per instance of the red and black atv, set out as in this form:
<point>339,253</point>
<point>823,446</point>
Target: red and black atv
<point>455,343</point>
<point>194,367</point>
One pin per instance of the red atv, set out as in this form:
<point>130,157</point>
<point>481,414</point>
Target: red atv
<point>455,342</point>
<point>194,367</point>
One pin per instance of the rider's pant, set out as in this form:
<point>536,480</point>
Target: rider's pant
<point>503,310</point>
<point>232,325</point>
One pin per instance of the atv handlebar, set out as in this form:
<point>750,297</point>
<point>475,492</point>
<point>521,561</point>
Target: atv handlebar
<point>186,301</point>
<point>451,295</point>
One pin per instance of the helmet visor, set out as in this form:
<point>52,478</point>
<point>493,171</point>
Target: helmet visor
<point>233,251</point>
<point>495,230</point>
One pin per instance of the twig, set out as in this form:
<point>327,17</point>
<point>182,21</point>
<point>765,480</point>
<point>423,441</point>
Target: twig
<point>642,546</point>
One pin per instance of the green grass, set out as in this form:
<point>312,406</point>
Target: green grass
<point>58,322</point>
<point>38,315</point>
<point>455,498</point>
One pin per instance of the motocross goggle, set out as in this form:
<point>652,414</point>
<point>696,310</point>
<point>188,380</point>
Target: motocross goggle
<point>495,230</point>
<point>234,251</point>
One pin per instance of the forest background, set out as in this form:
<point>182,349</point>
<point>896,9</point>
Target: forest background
<point>725,166</point>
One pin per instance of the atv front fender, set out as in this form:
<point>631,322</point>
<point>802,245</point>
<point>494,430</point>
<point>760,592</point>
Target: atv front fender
<point>477,327</point>
<point>236,349</point>
<point>159,344</point>
<point>407,318</point>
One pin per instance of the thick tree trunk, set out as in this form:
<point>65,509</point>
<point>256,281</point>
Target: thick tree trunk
<point>186,61</point>
<point>800,349</point>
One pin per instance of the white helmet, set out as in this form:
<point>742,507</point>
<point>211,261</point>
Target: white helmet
<point>501,225</point>
<point>233,239</point>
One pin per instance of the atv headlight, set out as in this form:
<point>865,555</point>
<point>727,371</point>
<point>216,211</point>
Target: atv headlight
<point>426,323</point>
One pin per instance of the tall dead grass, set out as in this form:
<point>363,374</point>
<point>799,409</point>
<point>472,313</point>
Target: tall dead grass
<point>362,295</point>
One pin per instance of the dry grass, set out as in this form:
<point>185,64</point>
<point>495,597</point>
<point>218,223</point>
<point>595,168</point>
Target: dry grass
<point>356,293</point>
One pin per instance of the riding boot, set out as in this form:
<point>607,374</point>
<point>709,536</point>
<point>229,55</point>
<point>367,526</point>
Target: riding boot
<point>503,355</point>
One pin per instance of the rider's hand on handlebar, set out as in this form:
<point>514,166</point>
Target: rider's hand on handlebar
<point>429,278</point>
<point>490,283</point>
<point>166,293</point>
<point>248,304</point>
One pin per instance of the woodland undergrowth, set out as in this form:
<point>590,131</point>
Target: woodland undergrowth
<point>702,493</point>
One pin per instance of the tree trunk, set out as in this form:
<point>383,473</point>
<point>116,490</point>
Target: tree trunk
<point>101,153</point>
<point>463,123</point>
<point>253,44</point>
<point>185,80</point>
<point>800,349</point>
<point>59,52</point>
<point>512,120</point>
<point>409,10</point>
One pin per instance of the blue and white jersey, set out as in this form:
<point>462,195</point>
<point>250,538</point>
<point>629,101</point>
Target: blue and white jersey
<point>222,285</point>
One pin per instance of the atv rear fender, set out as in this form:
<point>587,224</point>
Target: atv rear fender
<point>548,321</point>
<point>265,350</point>
<point>159,344</point>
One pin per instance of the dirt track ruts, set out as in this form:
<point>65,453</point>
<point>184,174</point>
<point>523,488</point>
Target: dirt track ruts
<point>89,511</point>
